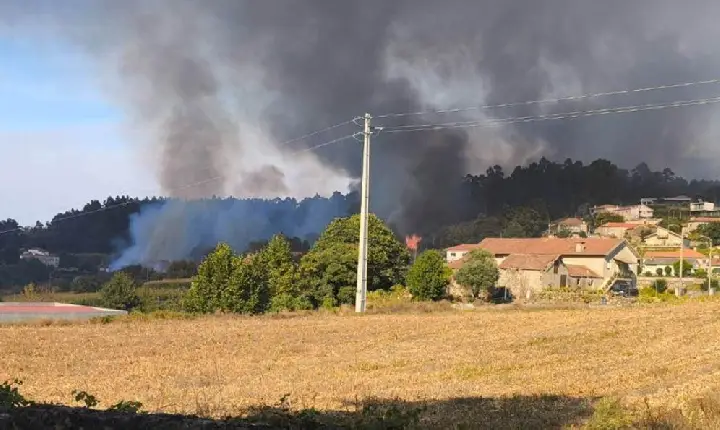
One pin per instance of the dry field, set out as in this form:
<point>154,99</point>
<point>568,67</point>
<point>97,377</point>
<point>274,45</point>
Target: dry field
<point>660,354</point>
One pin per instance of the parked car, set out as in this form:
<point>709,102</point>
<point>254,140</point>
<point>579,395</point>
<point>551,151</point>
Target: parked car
<point>624,288</point>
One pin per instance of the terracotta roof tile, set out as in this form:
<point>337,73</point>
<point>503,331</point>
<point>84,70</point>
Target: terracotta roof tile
<point>465,247</point>
<point>571,221</point>
<point>593,246</point>
<point>538,262</point>
<point>687,253</point>
<point>620,225</point>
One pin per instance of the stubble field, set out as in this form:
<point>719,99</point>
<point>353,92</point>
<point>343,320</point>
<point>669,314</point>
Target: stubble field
<point>660,355</point>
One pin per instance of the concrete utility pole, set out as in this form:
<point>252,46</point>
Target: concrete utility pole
<point>682,272</point>
<point>361,292</point>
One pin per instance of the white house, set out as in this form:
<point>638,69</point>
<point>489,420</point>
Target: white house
<point>664,238</point>
<point>42,256</point>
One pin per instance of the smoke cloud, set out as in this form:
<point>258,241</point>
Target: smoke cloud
<point>218,85</point>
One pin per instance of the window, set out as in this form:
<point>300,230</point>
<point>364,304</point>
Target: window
<point>452,254</point>
<point>556,267</point>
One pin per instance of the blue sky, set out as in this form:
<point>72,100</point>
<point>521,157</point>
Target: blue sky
<point>61,139</point>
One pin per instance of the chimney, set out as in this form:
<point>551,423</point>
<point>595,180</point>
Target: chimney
<point>579,247</point>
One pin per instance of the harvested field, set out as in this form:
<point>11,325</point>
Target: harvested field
<point>217,366</point>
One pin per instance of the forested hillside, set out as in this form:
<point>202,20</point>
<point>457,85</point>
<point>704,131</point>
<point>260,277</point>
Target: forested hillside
<point>515,204</point>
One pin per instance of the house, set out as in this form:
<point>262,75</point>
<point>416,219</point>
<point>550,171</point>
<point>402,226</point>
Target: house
<point>654,260</point>
<point>696,222</point>
<point>629,213</point>
<point>664,238</point>
<point>570,225</point>
<point>528,265</point>
<point>456,253</point>
<point>42,256</point>
<point>702,207</point>
<point>617,230</point>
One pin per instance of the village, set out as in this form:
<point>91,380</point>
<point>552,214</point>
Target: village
<point>616,250</point>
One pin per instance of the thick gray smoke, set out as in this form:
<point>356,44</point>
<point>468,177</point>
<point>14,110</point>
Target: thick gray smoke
<point>217,84</point>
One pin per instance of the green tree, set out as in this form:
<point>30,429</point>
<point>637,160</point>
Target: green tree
<point>668,271</point>
<point>479,272</point>
<point>711,230</point>
<point>659,271</point>
<point>563,233</point>
<point>428,277</point>
<point>247,291</point>
<point>120,292</point>
<point>331,264</point>
<point>605,217</point>
<point>214,276</point>
<point>277,259</point>
<point>687,267</point>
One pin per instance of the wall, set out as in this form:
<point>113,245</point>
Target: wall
<point>596,264</point>
<point>454,255</point>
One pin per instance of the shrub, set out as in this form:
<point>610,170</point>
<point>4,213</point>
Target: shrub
<point>700,273</point>
<point>668,271</point>
<point>479,273</point>
<point>713,284</point>
<point>648,274</point>
<point>428,277</point>
<point>346,295</point>
<point>10,396</point>
<point>120,293</point>
<point>659,271</point>
<point>660,286</point>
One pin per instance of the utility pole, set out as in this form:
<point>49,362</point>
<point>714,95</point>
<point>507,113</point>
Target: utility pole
<point>361,292</point>
<point>681,269</point>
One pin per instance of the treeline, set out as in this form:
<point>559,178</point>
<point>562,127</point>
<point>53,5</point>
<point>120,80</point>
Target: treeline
<point>497,203</point>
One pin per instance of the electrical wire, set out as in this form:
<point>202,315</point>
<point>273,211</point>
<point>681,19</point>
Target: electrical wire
<point>549,117</point>
<point>555,100</point>
<point>195,184</point>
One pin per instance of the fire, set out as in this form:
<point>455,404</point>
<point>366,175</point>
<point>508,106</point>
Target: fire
<point>412,241</point>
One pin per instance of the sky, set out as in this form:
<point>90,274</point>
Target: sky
<point>62,143</point>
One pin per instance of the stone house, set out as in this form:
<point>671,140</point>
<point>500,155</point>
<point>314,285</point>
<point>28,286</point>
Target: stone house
<point>529,265</point>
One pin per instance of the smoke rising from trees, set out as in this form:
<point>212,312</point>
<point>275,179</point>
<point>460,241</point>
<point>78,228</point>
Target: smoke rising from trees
<point>216,85</point>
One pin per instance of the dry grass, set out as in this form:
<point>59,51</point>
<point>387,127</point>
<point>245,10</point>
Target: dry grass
<point>665,355</point>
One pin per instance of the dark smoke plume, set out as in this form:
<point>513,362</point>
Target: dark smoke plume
<point>217,84</point>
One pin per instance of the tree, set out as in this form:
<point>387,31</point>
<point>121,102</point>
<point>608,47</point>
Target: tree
<point>659,271</point>
<point>711,230</point>
<point>563,233</point>
<point>120,293</point>
<point>278,261</point>
<point>429,276</point>
<point>331,264</point>
<point>687,268</point>
<point>479,272</point>
<point>605,217</point>
<point>247,291</point>
<point>214,275</point>
<point>668,271</point>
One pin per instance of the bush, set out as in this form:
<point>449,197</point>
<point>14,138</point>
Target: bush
<point>659,271</point>
<point>668,271</point>
<point>120,293</point>
<point>479,273</point>
<point>648,274</point>
<point>429,276</point>
<point>713,284</point>
<point>700,273</point>
<point>346,295</point>
<point>659,286</point>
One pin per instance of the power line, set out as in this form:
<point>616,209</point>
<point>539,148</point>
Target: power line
<point>555,100</point>
<point>549,117</point>
<point>315,133</point>
<point>195,184</point>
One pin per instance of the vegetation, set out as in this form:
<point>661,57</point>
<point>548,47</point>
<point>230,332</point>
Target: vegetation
<point>660,285</point>
<point>687,268</point>
<point>120,293</point>
<point>711,230</point>
<point>331,265</point>
<point>429,276</point>
<point>479,273</point>
<point>500,379</point>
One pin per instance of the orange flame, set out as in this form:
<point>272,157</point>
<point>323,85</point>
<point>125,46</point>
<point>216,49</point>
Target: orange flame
<point>412,241</point>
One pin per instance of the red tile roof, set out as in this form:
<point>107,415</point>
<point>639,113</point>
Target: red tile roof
<point>581,272</point>
<point>571,221</point>
<point>465,247</point>
<point>537,262</point>
<point>456,264</point>
<point>593,246</point>
<point>620,225</point>
<point>687,253</point>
